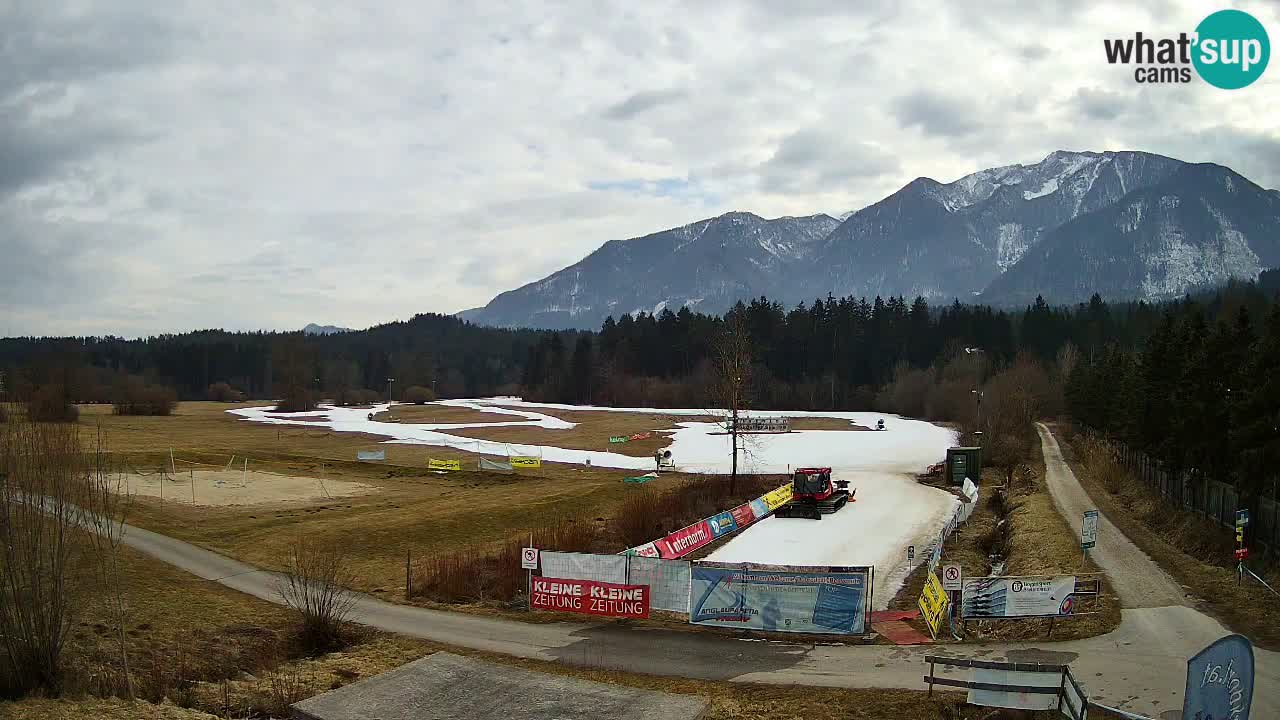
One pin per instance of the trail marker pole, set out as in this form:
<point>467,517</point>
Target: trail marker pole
<point>193,486</point>
<point>244,474</point>
<point>172,466</point>
<point>408,575</point>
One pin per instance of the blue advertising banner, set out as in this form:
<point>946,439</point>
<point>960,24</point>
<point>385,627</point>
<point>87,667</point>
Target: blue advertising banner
<point>780,599</point>
<point>722,524</point>
<point>1220,681</point>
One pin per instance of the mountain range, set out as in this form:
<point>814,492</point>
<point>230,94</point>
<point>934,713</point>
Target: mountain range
<point>1127,225</point>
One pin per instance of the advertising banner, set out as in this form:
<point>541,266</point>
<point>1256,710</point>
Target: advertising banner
<point>787,599</point>
<point>491,465</point>
<point>1220,681</point>
<point>743,515</point>
<point>642,436</point>
<point>648,550</point>
<point>1011,597</point>
<point>722,524</point>
<point>759,508</point>
<point>775,499</point>
<point>685,540</point>
<point>933,603</point>
<point>371,455</point>
<point>588,597</point>
<point>525,461</point>
<point>618,438</point>
<point>433,464</point>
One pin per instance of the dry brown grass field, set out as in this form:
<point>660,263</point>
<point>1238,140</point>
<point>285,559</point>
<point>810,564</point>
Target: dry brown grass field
<point>407,509</point>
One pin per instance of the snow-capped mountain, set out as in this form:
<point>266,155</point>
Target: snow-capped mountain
<point>948,241</point>
<point>705,265</point>
<point>314,329</point>
<point>1065,227</point>
<point>1200,227</point>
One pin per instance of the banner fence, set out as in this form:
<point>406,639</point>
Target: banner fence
<point>833,600</point>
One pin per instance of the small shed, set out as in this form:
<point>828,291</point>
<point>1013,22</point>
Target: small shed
<point>964,462</point>
<point>442,686</point>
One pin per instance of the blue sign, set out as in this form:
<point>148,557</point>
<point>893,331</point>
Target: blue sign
<point>722,524</point>
<point>803,600</point>
<point>1220,681</point>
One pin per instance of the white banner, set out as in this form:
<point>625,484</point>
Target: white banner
<point>371,455</point>
<point>1012,698</point>
<point>1009,597</point>
<point>584,566</point>
<point>668,582</point>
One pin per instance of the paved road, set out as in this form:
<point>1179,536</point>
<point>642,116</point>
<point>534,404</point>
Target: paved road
<point>1141,666</point>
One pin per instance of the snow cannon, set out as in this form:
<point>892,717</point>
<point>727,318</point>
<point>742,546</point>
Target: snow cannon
<point>880,424</point>
<point>814,494</point>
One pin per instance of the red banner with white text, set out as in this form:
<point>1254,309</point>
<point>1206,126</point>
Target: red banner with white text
<point>588,597</point>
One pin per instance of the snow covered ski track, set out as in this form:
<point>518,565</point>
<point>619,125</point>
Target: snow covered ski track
<point>891,510</point>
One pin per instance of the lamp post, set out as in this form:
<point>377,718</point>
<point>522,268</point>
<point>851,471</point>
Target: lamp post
<point>389,381</point>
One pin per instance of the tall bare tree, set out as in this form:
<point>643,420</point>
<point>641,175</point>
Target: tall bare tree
<point>53,496</point>
<point>731,383</point>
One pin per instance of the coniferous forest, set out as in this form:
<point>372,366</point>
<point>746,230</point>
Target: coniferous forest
<point>1192,383</point>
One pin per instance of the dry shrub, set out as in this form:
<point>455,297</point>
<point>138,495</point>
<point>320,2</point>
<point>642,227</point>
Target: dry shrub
<point>134,396</point>
<point>648,514</point>
<point>315,585</point>
<point>418,395</point>
<point>223,392</point>
<point>49,404</point>
<point>484,573</point>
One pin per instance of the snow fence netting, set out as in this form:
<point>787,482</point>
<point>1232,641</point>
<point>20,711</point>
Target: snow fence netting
<point>585,566</point>
<point>668,580</point>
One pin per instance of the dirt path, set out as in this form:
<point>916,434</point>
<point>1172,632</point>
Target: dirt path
<point>1138,580</point>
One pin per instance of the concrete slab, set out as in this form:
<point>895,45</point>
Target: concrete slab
<point>443,686</point>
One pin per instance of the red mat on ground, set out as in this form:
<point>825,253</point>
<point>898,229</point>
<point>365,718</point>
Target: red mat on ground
<point>900,633</point>
<point>889,615</point>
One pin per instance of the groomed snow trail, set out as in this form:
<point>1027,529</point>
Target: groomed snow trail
<point>891,512</point>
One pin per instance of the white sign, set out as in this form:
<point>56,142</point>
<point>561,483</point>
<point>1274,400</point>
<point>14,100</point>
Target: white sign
<point>911,553</point>
<point>1007,597</point>
<point>952,577</point>
<point>1089,529</point>
<point>371,455</point>
<point>529,558</point>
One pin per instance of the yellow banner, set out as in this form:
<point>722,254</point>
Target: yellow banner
<point>433,464</point>
<point>775,499</point>
<point>933,603</point>
<point>525,461</point>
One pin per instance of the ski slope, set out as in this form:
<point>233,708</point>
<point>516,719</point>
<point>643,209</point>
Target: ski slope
<point>891,510</point>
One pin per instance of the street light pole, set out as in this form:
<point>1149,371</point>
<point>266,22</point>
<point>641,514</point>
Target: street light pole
<point>389,381</point>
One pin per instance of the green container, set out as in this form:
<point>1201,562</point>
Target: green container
<point>964,462</point>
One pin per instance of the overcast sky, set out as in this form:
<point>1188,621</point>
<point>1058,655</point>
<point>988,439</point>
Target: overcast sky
<point>174,165</point>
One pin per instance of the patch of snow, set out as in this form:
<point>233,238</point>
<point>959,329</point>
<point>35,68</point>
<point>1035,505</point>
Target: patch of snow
<point>1050,187</point>
<point>1011,245</point>
<point>1179,265</point>
<point>659,307</point>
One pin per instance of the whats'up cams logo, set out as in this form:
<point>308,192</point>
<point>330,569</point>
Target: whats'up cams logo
<point>1229,49</point>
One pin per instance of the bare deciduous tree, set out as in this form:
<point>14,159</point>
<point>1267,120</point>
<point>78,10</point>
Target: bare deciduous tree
<point>315,586</point>
<point>53,496</point>
<point>731,382</point>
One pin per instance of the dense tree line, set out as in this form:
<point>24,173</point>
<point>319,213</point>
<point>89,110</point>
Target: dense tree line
<point>1201,394</point>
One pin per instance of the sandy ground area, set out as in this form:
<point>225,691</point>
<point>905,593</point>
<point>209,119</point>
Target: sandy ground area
<point>232,487</point>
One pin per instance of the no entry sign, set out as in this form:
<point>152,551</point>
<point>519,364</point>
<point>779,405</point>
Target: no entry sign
<point>588,597</point>
<point>529,558</point>
<point>952,577</point>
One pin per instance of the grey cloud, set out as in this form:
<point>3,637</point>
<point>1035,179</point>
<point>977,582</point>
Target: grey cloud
<point>935,113</point>
<point>642,102</point>
<point>1098,104</point>
<point>814,160</point>
<point>1033,52</point>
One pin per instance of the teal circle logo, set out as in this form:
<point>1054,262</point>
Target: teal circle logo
<point>1232,49</point>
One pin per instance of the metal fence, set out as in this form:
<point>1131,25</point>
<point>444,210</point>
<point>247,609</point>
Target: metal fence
<point>1215,501</point>
<point>668,580</point>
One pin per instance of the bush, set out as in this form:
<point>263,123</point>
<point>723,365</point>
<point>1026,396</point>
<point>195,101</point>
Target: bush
<point>133,396</point>
<point>356,396</point>
<point>49,404</point>
<point>418,395</point>
<point>315,585</point>
<point>223,392</point>
<point>297,400</point>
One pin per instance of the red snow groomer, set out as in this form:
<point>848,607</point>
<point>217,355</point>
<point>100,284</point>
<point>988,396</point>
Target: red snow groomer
<point>813,494</point>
